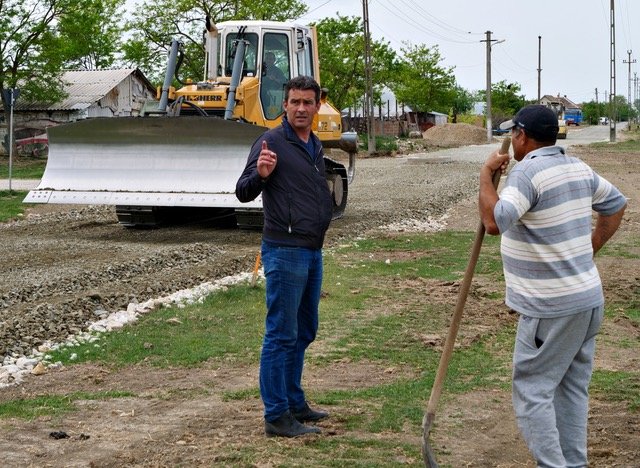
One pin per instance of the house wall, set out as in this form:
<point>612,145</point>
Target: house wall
<point>125,100</point>
<point>440,119</point>
<point>387,127</point>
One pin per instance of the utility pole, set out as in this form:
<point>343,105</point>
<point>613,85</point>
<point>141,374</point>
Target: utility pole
<point>539,64</point>
<point>371,147</point>
<point>488,40</point>
<point>612,83</point>
<point>596,96</point>
<point>10,95</point>
<point>635,93</point>
<point>629,76</point>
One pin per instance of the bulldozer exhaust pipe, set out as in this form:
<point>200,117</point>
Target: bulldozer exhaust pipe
<point>236,75</point>
<point>168,76</point>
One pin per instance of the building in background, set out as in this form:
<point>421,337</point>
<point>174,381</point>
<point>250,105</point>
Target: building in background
<point>566,109</point>
<point>89,93</point>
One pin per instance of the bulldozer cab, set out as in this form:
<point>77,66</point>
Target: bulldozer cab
<point>274,53</point>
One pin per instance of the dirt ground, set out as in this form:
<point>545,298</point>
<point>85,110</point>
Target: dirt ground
<point>179,417</point>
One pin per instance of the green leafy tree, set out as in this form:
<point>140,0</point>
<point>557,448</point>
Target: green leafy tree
<point>422,82</point>
<point>592,111</point>
<point>341,53</point>
<point>385,67</point>
<point>29,49</point>
<point>91,35</point>
<point>156,22</point>
<point>342,67</point>
<point>39,38</point>
<point>505,100</point>
<point>462,102</point>
<point>623,112</point>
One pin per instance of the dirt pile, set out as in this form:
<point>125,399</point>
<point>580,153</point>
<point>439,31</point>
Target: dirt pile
<point>458,134</point>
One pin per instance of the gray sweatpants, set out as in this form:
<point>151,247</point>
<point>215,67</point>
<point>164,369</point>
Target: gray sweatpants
<point>552,366</point>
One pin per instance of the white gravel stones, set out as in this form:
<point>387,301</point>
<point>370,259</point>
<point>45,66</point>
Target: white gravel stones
<point>417,225</point>
<point>15,368</point>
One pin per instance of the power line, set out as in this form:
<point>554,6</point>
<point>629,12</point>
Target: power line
<point>316,8</point>
<point>436,21</point>
<point>418,26</point>
<point>626,31</point>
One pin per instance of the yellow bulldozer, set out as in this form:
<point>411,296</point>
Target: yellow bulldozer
<point>187,150</point>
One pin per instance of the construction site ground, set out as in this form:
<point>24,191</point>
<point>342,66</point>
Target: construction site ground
<point>62,263</point>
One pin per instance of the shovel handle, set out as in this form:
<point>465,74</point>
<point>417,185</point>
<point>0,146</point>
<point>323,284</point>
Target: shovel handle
<point>256,267</point>
<point>429,417</point>
<point>462,298</point>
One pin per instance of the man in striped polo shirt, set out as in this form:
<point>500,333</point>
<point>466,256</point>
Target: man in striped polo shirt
<point>544,213</point>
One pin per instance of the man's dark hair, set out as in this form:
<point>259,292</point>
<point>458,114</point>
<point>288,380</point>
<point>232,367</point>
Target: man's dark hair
<point>302,83</point>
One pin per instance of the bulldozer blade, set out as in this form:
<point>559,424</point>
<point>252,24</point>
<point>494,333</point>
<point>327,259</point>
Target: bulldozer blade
<point>147,161</point>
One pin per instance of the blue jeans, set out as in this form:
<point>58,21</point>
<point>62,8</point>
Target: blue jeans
<point>294,282</point>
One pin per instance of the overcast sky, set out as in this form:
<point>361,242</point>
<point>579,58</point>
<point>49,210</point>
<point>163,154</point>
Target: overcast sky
<point>575,44</point>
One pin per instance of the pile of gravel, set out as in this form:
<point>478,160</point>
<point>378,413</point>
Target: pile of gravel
<point>458,134</point>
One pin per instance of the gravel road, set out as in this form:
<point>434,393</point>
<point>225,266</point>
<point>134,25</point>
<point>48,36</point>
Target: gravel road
<point>65,267</point>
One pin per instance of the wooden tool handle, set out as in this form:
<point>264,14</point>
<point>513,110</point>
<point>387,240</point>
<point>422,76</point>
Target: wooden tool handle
<point>462,298</point>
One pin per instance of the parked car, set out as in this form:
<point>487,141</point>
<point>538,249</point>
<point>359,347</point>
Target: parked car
<point>562,129</point>
<point>604,121</point>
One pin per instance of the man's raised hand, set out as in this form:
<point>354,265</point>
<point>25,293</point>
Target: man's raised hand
<point>266,161</point>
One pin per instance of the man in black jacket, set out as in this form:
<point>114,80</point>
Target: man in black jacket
<point>286,166</point>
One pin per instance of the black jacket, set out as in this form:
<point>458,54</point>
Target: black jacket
<point>296,199</point>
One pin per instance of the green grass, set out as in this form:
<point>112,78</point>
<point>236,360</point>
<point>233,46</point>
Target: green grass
<point>627,248</point>
<point>365,316</point>
<point>11,204</point>
<point>227,324</point>
<point>22,168</point>
<point>617,386</point>
<point>51,405</point>
<point>383,143</point>
<point>628,146</point>
<point>443,256</point>
<point>373,312</point>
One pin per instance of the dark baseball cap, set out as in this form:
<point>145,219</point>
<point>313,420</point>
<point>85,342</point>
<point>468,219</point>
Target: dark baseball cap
<point>538,121</point>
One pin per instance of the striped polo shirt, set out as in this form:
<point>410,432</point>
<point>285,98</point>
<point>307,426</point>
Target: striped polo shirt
<point>545,217</point>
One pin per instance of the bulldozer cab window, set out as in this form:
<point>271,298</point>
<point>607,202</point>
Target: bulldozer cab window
<point>276,71</point>
<point>250,54</point>
<point>306,60</point>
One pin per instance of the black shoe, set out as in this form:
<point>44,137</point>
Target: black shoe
<point>288,426</point>
<point>307,414</point>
